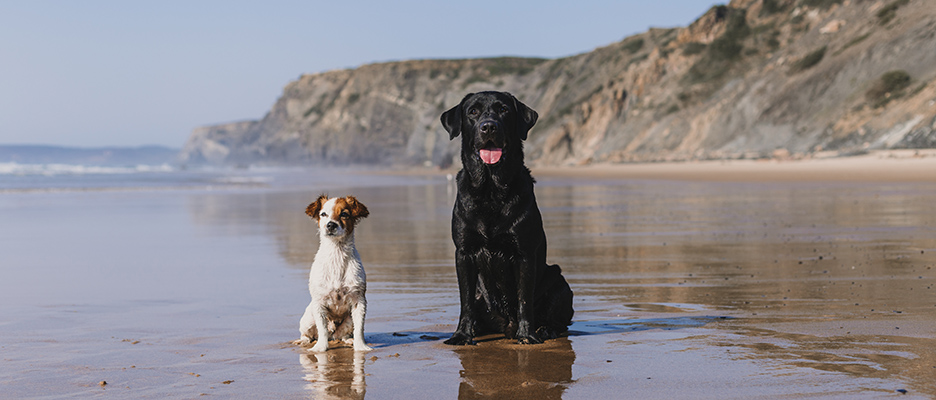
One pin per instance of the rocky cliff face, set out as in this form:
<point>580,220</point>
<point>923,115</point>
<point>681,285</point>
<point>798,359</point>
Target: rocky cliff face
<point>753,79</point>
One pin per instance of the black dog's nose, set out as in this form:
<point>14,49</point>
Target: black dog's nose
<point>488,127</point>
<point>331,226</point>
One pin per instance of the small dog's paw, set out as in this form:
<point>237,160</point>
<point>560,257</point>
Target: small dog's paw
<point>303,341</point>
<point>362,347</point>
<point>459,339</point>
<point>530,339</point>
<point>320,347</point>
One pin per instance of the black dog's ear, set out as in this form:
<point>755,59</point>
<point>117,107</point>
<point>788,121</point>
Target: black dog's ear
<point>451,119</point>
<point>527,117</point>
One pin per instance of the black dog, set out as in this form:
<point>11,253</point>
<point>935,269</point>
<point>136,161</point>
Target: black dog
<point>504,282</point>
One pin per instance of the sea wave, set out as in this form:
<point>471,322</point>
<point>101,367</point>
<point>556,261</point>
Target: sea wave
<point>16,178</point>
<point>14,168</point>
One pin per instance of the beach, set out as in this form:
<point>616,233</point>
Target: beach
<point>702,280</point>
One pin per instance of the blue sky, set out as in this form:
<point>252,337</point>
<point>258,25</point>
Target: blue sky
<point>129,73</point>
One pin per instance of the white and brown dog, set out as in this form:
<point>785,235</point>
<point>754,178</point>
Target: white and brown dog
<point>336,279</point>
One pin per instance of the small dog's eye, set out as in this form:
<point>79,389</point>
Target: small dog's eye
<point>324,214</point>
<point>344,214</point>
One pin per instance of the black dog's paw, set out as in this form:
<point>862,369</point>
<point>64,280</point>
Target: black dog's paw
<point>529,339</point>
<point>459,339</point>
<point>546,333</point>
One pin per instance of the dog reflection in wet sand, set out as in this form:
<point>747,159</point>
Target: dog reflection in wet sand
<point>337,375</point>
<point>336,278</point>
<point>497,370</point>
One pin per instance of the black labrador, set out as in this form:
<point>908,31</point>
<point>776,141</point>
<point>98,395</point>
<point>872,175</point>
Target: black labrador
<point>504,283</point>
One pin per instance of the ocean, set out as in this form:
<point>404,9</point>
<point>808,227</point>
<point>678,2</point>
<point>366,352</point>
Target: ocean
<point>55,177</point>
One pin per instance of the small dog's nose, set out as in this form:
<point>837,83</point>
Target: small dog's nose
<point>331,226</point>
<point>488,127</point>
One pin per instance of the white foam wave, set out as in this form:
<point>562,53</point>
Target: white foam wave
<point>241,180</point>
<point>13,168</point>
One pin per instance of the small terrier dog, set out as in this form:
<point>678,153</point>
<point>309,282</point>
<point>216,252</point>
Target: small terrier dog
<point>336,278</point>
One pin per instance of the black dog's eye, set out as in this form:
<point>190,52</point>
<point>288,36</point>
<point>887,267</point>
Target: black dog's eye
<point>473,112</point>
<point>500,108</point>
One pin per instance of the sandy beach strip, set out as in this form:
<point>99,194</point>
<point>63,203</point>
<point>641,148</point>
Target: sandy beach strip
<point>879,166</point>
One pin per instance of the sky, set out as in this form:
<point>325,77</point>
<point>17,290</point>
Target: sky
<point>97,73</point>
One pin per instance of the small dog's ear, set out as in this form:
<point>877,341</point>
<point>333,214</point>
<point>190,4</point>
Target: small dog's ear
<point>527,117</point>
<point>452,119</point>
<point>313,209</point>
<point>358,210</point>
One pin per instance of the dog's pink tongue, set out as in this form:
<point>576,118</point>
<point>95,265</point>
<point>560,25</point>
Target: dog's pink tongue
<point>491,156</point>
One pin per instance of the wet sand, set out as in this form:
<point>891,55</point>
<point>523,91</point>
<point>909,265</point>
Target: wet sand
<point>687,285</point>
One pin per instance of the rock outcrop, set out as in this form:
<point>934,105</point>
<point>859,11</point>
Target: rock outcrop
<point>753,79</point>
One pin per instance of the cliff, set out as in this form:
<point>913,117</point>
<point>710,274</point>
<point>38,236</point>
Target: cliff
<point>753,79</point>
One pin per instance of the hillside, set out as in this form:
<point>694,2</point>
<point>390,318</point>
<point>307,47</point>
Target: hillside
<point>753,79</point>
